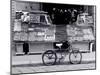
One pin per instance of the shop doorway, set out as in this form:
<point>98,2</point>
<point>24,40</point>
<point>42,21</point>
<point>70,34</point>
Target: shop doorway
<point>61,13</point>
<point>25,48</point>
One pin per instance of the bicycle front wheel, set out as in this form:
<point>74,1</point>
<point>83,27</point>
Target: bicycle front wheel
<point>49,58</point>
<point>75,57</point>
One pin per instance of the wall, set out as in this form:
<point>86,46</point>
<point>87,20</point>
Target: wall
<point>82,46</point>
<point>34,47</point>
<point>40,47</point>
<point>26,6</point>
<point>19,47</point>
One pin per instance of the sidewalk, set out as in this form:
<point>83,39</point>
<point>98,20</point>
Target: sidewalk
<point>37,58</point>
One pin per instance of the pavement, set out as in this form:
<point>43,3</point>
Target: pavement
<point>55,68</point>
<point>37,58</point>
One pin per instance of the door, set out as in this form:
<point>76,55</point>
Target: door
<point>25,48</point>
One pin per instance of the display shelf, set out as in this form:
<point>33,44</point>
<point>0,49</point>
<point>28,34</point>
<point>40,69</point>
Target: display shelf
<point>84,41</point>
<point>34,41</point>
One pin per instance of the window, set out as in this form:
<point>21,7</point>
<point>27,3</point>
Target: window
<point>49,20</point>
<point>42,19</point>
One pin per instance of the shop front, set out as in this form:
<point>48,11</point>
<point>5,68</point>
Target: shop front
<point>40,33</point>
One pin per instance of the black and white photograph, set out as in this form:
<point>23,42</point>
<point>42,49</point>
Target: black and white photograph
<point>52,37</point>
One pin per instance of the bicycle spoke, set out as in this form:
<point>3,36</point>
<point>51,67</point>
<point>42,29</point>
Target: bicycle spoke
<point>75,57</point>
<point>49,58</point>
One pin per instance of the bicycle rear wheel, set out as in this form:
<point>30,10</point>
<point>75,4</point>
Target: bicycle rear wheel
<point>75,57</point>
<point>49,58</point>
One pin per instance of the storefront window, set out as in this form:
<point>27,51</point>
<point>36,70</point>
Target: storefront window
<point>49,20</point>
<point>42,19</point>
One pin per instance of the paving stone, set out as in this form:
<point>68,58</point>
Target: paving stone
<point>32,69</point>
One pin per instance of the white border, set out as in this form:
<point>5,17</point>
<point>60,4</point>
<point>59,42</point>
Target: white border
<point>5,37</point>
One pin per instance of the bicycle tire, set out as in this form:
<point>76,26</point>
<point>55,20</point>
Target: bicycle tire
<point>53,54</point>
<point>71,59</point>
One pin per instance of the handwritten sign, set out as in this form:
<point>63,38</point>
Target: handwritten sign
<point>38,34</point>
<point>20,36</point>
<point>50,35</point>
<point>79,34</point>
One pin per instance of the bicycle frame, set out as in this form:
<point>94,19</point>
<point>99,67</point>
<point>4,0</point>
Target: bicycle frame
<point>53,54</point>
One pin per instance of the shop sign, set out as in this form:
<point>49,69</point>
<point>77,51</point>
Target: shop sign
<point>39,34</point>
<point>20,36</point>
<point>50,37</point>
<point>49,34</point>
<point>79,34</point>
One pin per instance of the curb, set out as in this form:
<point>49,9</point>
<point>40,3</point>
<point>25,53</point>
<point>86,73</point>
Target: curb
<point>41,64</point>
<point>87,57</point>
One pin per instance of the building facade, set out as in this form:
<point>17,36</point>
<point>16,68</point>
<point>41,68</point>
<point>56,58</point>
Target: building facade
<point>41,36</point>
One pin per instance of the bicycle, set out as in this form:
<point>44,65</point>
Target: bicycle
<point>50,57</point>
